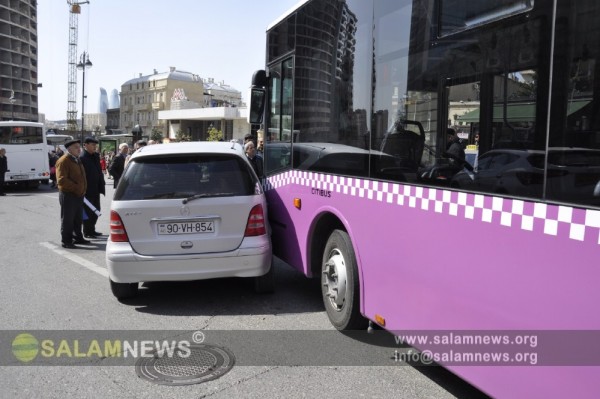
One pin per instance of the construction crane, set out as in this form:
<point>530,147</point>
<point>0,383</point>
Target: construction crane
<point>74,11</point>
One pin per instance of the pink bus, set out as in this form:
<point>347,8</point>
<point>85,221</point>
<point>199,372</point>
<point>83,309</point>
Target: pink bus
<point>436,163</point>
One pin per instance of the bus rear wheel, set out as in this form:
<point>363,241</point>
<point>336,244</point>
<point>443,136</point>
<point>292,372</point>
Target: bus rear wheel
<point>340,283</point>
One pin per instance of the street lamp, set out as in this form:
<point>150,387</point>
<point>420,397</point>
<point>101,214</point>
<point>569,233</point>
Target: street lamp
<point>12,100</point>
<point>84,63</point>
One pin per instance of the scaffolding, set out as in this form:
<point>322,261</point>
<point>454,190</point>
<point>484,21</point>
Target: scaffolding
<point>74,11</point>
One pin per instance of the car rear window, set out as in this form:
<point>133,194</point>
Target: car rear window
<point>182,176</point>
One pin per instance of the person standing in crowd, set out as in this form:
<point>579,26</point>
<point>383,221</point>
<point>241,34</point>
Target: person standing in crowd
<point>117,166</point>
<point>95,185</point>
<point>254,159</point>
<point>72,185</point>
<point>138,144</point>
<point>454,147</point>
<point>103,163</point>
<point>3,169</point>
<point>52,158</point>
<point>260,147</point>
<point>247,138</point>
<point>108,161</point>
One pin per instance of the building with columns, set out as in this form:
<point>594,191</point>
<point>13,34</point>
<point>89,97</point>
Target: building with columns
<point>160,101</point>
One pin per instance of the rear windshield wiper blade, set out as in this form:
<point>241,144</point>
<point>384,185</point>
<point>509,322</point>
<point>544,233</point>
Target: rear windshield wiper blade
<point>193,197</point>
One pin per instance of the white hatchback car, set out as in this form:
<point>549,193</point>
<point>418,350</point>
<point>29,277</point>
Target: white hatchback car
<point>188,211</point>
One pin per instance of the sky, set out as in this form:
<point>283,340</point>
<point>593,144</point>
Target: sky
<point>220,39</point>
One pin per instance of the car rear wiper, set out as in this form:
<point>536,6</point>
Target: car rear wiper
<point>193,197</point>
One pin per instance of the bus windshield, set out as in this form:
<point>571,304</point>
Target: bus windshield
<point>21,135</point>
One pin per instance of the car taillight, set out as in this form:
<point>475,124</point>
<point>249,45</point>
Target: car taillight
<point>117,229</point>
<point>256,222</point>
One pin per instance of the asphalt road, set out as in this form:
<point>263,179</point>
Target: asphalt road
<point>48,291</point>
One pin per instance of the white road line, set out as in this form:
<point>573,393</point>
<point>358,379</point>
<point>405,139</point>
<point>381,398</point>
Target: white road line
<point>77,259</point>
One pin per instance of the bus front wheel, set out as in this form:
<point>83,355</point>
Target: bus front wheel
<point>340,283</point>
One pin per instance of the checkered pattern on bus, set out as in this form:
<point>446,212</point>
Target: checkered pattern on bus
<point>555,220</point>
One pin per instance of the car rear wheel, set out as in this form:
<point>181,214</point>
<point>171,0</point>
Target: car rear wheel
<point>123,290</point>
<point>340,283</point>
<point>265,284</point>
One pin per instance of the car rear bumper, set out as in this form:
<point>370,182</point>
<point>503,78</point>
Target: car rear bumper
<point>251,259</point>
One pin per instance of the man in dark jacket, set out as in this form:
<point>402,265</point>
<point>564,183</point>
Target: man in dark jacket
<point>3,169</point>
<point>95,185</point>
<point>72,185</point>
<point>454,147</point>
<point>118,164</point>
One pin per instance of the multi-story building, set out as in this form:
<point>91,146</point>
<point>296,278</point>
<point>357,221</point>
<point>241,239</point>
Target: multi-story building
<point>327,71</point>
<point>18,60</point>
<point>113,116</point>
<point>113,101</point>
<point>102,101</point>
<point>95,122</point>
<point>143,97</point>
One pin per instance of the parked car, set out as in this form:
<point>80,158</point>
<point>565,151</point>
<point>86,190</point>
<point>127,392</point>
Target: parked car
<point>188,211</point>
<point>573,174</point>
<point>348,160</point>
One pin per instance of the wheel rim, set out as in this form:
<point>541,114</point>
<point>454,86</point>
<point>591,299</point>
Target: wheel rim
<point>334,279</point>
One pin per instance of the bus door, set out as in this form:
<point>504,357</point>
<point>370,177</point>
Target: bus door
<point>279,129</point>
<point>493,99</point>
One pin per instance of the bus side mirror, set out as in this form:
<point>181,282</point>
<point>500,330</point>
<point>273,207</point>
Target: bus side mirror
<point>257,105</point>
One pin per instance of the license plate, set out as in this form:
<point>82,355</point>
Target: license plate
<point>186,228</point>
<point>20,177</point>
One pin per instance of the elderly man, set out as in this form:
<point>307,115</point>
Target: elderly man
<point>138,144</point>
<point>72,185</point>
<point>95,185</point>
<point>118,163</point>
<point>255,160</point>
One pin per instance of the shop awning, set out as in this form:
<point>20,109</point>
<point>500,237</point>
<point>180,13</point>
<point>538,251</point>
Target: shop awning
<point>517,112</point>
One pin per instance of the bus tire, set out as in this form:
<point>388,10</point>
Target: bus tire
<point>340,285</point>
<point>123,290</point>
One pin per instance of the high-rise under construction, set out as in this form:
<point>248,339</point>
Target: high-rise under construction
<point>18,60</point>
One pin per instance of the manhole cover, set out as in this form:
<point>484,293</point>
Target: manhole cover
<point>204,363</point>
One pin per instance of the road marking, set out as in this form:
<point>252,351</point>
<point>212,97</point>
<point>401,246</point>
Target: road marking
<point>77,259</point>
